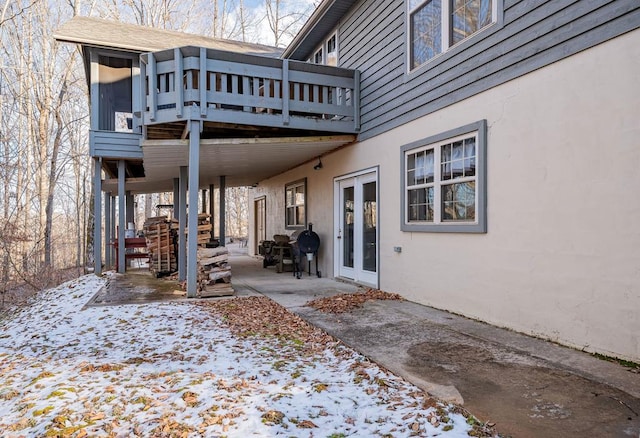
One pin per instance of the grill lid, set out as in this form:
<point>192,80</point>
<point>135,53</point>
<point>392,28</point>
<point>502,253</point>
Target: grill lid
<point>308,241</point>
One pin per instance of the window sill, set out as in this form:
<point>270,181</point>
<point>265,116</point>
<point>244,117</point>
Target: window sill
<point>477,228</point>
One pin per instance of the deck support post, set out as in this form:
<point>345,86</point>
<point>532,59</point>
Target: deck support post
<point>223,210</point>
<point>192,216</point>
<point>182,216</point>
<point>97,216</point>
<point>211,212</point>
<point>176,198</point>
<point>121,217</point>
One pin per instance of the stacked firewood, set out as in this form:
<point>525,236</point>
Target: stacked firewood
<point>214,272</point>
<point>204,229</point>
<point>160,233</point>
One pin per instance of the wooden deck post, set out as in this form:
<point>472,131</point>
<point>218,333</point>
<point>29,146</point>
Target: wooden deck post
<point>202,83</point>
<point>285,92</point>
<point>97,215</point>
<point>192,217</point>
<point>176,198</point>
<point>211,211</point>
<point>222,210</point>
<point>178,85</point>
<point>153,87</point>
<point>121,217</point>
<point>182,217</point>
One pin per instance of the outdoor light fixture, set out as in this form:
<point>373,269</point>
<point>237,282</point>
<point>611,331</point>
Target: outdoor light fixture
<point>318,166</point>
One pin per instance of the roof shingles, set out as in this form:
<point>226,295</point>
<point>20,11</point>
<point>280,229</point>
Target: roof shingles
<point>110,34</point>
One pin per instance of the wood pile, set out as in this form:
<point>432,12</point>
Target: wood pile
<point>214,272</point>
<point>160,233</point>
<point>204,229</point>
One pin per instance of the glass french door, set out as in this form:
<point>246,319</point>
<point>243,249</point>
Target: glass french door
<point>357,228</point>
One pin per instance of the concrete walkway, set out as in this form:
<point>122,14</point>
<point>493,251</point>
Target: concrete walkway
<point>528,387</point>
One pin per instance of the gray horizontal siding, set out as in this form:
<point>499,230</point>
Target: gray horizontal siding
<point>530,36</point>
<point>107,144</point>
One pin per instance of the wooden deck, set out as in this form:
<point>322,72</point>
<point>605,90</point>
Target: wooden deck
<point>192,83</point>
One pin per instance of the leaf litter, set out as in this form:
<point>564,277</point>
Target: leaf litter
<point>342,303</point>
<point>235,368</point>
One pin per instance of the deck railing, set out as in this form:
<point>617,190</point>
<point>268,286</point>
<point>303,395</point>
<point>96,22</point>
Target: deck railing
<point>212,85</point>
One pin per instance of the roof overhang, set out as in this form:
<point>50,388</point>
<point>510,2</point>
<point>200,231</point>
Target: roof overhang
<point>96,32</point>
<point>243,161</point>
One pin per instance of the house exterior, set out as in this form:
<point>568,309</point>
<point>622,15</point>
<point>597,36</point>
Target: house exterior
<point>476,156</point>
<point>495,171</point>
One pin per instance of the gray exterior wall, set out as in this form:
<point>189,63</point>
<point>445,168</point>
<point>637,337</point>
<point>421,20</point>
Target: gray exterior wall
<point>110,144</point>
<point>528,35</point>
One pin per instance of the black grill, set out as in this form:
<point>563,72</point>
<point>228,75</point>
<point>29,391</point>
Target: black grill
<point>306,247</point>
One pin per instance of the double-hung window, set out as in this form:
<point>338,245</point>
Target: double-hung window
<point>295,208</point>
<point>444,181</point>
<point>436,25</point>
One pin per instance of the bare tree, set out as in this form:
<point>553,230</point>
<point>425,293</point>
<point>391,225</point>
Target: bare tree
<point>237,201</point>
<point>285,18</point>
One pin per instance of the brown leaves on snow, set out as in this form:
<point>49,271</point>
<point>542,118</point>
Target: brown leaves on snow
<point>347,302</point>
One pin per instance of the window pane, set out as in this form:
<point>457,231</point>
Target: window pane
<point>348,227</point>
<point>470,147</point>
<point>115,106</point>
<point>413,197</point>
<point>457,163</point>
<point>429,166</point>
<point>295,204</point>
<point>413,213</point>
<point>420,167</point>
<point>289,197</point>
<point>469,167</point>
<point>290,216</point>
<point>331,44</point>
<point>469,16</point>
<point>411,162</point>
<point>369,224</point>
<point>458,202</point>
<point>470,156</point>
<point>446,153</point>
<point>299,196</point>
<point>426,32</point>
<point>420,204</point>
<point>411,178</point>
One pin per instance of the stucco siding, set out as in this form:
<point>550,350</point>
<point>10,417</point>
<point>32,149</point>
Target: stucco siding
<point>561,257</point>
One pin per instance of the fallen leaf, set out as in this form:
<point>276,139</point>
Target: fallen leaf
<point>307,424</point>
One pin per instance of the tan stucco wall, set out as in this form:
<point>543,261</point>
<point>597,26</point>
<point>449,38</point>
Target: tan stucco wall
<point>561,258</point>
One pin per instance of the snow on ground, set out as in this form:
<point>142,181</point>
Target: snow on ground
<point>175,369</point>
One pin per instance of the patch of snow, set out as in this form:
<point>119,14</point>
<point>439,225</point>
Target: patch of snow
<point>156,368</point>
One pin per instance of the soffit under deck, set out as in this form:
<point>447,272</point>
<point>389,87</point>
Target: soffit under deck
<point>243,161</point>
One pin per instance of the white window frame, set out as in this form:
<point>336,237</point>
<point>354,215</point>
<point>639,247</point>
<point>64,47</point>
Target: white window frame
<point>293,186</point>
<point>445,24</point>
<point>324,47</point>
<point>435,143</point>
